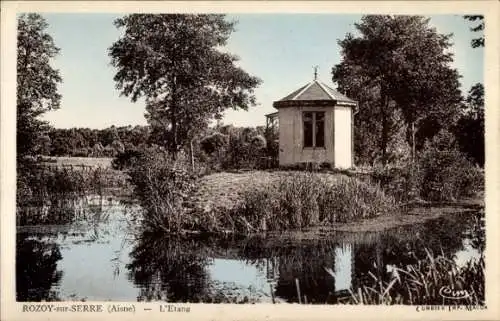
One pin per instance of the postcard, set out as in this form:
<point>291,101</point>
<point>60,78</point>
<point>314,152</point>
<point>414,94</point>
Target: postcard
<point>249,160</point>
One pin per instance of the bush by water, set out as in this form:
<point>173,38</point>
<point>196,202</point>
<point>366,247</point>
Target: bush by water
<point>303,199</point>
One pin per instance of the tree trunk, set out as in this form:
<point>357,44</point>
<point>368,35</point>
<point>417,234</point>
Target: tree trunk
<point>413,141</point>
<point>385,130</point>
<point>191,154</point>
<point>174,139</point>
<point>173,142</point>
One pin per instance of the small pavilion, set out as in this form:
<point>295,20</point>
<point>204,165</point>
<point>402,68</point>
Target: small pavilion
<point>315,126</point>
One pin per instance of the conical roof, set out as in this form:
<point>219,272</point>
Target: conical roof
<point>314,93</point>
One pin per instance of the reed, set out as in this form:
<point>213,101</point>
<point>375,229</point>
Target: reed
<point>422,283</point>
<point>301,200</point>
<point>50,194</point>
<point>162,185</point>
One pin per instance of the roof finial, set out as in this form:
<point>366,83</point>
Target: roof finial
<point>315,72</point>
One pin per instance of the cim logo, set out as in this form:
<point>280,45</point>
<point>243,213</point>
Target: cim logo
<point>448,293</point>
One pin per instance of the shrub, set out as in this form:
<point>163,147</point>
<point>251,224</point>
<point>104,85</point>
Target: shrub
<point>440,173</point>
<point>162,185</point>
<point>214,143</point>
<point>97,150</point>
<point>306,199</point>
<point>238,148</point>
<point>126,159</point>
<point>118,146</point>
<point>109,151</point>
<point>402,182</point>
<point>446,173</point>
<point>258,142</point>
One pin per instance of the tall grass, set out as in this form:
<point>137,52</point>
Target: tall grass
<point>422,283</point>
<point>49,194</point>
<point>162,185</point>
<point>300,200</point>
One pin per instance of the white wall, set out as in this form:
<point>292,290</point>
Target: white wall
<point>343,137</point>
<point>292,137</point>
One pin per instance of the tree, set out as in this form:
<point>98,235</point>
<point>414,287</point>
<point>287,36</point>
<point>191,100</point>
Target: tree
<point>470,127</point>
<point>397,62</point>
<point>477,42</point>
<point>215,142</point>
<point>118,146</point>
<point>108,135</point>
<point>42,145</point>
<point>61,146</point>
<point>174,62</point>
<point>97,150</point>
<point>475,102</point>
<point>36,80</point>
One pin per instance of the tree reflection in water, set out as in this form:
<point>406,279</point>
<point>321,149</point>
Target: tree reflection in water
<point>169,269</point>
<point>175,269</point>
<point>36,269</point>
<point>353,259</point>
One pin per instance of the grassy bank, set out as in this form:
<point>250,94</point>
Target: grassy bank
<point>257,201</point>
<point>300,199</point>
<point>223,191</point>
<point>175,199</point>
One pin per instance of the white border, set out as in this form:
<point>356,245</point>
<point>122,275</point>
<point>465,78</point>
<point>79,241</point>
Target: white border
<point>10,309</point>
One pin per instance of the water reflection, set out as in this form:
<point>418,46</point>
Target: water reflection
<point>167,269</point>
<point>91,252</point>
<point>36,270</point>
<point>100,260</point>
<point>60,210</point>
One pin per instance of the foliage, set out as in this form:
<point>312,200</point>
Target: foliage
<point>174,62</point>
<point>36,270</point>
<point>398,149</point>
<point>469,129</point>
<point>477,42</point>
<point>127,159</point>
<point>271,135</point>
<point>230,148</point>
<point>304,199</point>
<point>86,142</point>
<point>446,173</point>
<point>403,182</point>
<point>440,173</point>
<point>42,145</point>
<point>36,80</point>
<point>117,146</point>
<point>258,142</point>
<point>396,63</point>
<point>162,185</point>
<point>97,150</point>
<point>246,149</point>
<point>420,283</point>
<point>215,142</point>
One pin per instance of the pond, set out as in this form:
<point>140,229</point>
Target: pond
<point>100,257</point>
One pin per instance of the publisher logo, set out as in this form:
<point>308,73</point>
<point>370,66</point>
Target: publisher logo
<point>448,293</point>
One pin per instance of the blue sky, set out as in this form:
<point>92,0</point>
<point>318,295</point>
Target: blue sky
<point>281,49</point>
